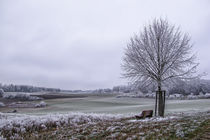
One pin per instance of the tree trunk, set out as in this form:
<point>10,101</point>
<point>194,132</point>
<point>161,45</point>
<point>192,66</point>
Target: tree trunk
<point>161,101</point>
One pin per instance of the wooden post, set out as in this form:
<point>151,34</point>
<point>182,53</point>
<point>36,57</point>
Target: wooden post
<point>156,103</point>
<point>160,102</point>
<point>164,99</point>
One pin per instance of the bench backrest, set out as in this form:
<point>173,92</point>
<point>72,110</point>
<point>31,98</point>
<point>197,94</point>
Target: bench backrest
<point>147,113</point>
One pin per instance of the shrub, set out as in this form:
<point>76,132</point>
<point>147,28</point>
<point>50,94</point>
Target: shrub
<point>2,104</point>
<point>21,96</point>
<point>41,104</point>
<point>1,92</point>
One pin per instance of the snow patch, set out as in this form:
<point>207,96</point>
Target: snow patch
<point>155,119</point>
<point>41,104</point>
<point>21,96</point>
<point>2,104</point>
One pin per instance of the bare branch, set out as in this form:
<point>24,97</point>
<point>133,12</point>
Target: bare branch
<point>159,53</point>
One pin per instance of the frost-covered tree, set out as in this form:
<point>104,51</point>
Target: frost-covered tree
<point>1,92</point>
<point>193,86</point>
<point>159,53</point>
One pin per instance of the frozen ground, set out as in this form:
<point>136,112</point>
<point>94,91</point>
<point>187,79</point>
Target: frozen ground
<point>112,105</point>
<point>101,126</point>
<point>103,117</point>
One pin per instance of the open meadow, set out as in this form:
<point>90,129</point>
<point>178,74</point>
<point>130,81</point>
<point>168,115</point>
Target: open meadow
<point>90,103</point>
<point>92,116</point>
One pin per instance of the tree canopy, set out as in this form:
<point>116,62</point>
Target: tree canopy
<point>159,53</point>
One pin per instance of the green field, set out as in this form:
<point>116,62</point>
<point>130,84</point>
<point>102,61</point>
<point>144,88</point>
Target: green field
<point>112,105</point>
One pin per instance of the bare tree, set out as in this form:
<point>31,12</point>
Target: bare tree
<point>159,53</point>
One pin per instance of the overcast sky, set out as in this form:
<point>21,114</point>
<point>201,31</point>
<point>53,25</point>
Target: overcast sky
<point>79,44</point>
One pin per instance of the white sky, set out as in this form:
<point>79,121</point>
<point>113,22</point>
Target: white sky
<point>79,44</point>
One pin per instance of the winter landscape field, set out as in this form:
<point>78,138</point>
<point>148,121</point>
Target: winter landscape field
<point>90,103</point>
<point>104,70</point>
<point>94,116</point>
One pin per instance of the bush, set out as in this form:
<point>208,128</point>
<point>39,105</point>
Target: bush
<point>41,104</point>
<point>207,95</point>
<point>2,104</point>
<point>21,96</point>
<point>1,92</point>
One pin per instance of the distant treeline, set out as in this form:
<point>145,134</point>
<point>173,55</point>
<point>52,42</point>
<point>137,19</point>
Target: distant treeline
<point>185,87</point>
<point>180,87</point>
<point>195,86</point>
<point>26,88</point>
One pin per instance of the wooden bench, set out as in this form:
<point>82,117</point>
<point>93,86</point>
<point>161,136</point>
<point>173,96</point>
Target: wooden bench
<point>145,114</point>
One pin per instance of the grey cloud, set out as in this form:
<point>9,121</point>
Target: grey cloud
<point>79,44</point>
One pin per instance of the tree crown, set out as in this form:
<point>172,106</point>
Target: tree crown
<point>159,53</point>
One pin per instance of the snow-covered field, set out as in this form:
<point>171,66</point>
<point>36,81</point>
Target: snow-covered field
<point>89,111</point>
<point>87,125</point>
<point>15,125</point>
<point>112,105</point>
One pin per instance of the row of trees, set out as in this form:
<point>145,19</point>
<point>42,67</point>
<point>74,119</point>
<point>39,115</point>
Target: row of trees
<point>194,86</point>
<point>26,88</point>
<point>184,87</point>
